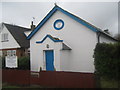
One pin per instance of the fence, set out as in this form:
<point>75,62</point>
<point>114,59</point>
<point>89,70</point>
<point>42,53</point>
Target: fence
<point>18,77</point>
<point>49,78</point>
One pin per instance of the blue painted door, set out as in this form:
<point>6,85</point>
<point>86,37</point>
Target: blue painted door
<point>49,60</point>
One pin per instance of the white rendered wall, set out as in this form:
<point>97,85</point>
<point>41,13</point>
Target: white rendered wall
<point>81,39</point>
<point>9,44</point>
<point>39,61</point>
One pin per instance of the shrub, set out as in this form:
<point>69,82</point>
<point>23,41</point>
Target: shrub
<point>3,62</point>
<point>107,60</point>
<point>24,63</point>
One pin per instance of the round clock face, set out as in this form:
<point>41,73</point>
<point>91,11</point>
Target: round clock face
<point>58,24</point>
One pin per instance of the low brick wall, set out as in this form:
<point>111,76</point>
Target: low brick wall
<point>50,79</point>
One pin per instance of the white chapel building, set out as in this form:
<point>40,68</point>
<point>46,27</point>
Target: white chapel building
<point>65,42</point>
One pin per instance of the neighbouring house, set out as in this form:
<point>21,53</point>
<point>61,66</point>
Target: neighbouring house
<point>64,42</point>
<point>14,43</point>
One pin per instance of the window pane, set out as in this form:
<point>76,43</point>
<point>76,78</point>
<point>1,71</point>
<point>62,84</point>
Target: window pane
<point>2,37</point>
<point>13,52</point>
<point>5,37</point>
<point>9,53</point>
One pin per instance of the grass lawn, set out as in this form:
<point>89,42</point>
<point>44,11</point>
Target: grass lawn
<point>104,84</point>
<point>109,83</point>
<point>6,86</point>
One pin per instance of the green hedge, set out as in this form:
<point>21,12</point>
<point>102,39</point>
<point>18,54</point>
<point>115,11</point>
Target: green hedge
<point>3,62</point>
<point>107,60</point>
<point>24,63</point>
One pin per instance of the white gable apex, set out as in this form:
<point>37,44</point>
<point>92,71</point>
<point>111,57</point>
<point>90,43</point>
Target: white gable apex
<point>11,43</point>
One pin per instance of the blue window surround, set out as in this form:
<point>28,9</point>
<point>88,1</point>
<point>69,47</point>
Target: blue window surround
<point>58,20</point>
<point>50,38</point>
<point>65,12</point>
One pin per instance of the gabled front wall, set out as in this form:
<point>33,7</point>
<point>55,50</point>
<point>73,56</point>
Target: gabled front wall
<point>81,40</point>
<point>11,43</point>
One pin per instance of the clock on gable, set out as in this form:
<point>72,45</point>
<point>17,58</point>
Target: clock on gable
<point>58,24</point>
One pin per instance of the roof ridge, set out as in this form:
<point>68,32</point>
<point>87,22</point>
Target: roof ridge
<point>18,34</point>
<point>89,23</point>
<point>79,18</point>
<point>17,26</point>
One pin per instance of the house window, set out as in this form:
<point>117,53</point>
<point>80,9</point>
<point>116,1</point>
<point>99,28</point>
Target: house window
<point>11,53</point>
<point>28,51</point>
<point>4,37</point>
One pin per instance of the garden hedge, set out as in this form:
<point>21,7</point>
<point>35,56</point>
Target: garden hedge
<point>24,63</point>
<point>107,60</point>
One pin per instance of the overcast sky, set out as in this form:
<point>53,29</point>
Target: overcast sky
<point>103,15</point>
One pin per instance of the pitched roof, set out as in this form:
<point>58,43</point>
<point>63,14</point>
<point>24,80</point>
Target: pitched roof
<point>18,34</point>
<point>65,47</point>
<point>78,19</point>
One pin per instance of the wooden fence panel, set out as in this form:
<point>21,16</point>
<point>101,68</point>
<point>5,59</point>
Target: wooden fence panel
<point>18,77</point>
<point>50,78</point>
